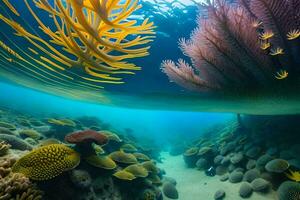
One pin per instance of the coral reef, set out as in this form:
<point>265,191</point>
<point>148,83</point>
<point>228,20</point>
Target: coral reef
<point>15,142</point>
<point>30,133</point>
<point>87,136</point>
<point>241,50</point>
<point>8,126</point>
<point>104,162</point>
<point>17,186</point>
<point>4,147</point>
<point>123,158</point>
<point>51,169</point>
<point>47,162</point>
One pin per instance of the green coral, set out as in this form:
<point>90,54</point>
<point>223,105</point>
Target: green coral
<point>47,162</point>
<point>30,133</point>
<point>8,126</point>
<point>15,142</point>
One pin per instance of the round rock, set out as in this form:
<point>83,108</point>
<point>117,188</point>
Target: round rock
<point>260,185</point>
<point>220,194</point>
<point>245,190</point>
<point>236,177</point>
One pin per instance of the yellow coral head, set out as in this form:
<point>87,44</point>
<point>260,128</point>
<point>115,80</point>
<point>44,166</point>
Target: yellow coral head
<point>47,162</point>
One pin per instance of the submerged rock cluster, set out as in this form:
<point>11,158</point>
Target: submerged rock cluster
<point>255,156</point>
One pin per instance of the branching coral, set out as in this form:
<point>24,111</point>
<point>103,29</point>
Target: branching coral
<point>17,186</point>
<point>229,54</point>
<point>81,44</point>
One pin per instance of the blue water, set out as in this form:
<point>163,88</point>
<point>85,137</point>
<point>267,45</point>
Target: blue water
<point>156,124</point>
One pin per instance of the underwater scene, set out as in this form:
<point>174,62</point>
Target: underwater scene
<point>149,99</point>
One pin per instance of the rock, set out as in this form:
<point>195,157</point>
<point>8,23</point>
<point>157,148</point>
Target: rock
<point>251,164</point>
<point>225,161</point>
<point>169,179</point>
<point>231,168</point>
<point>218,159</point>
<point>251,174</point>
<point>227,148</point>
<point>272,151</point>
<point>253,152</point>
<point>239,169</point>
<point>220,194</point>
<point>202,164</point>
<point>236,177</point>
<point>237,158</point>
<point>277,166</point>
<point>220,170</point>
<point>170,190</point>
<point>245,190</point>
<point>263,160</point>
<point>260,185</point>
<point>225,177</point>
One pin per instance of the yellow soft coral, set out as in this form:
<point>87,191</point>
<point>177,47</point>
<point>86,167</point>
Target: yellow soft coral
<point>293,175</point>
<point>95,35</point>
<point>47,162</point>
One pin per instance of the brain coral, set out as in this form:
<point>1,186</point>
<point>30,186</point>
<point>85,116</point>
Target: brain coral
<point>289,190</point>
<point>47,162</point>
<point>15,142</point>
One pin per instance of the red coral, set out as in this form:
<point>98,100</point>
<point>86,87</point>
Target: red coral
<point>86,136</point>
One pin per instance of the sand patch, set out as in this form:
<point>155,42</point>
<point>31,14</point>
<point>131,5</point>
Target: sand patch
<point>195,185</point>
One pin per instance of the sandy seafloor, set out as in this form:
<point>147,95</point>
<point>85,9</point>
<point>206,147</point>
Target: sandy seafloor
<point>195,185</point>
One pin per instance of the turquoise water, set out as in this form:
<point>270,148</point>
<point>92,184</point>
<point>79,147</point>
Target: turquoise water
<point>149,99</point>
<point>150,123</point>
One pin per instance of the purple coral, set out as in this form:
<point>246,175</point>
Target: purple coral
<point>225,49</point>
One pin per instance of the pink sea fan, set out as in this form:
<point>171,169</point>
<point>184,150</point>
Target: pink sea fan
<point>225,52</point>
